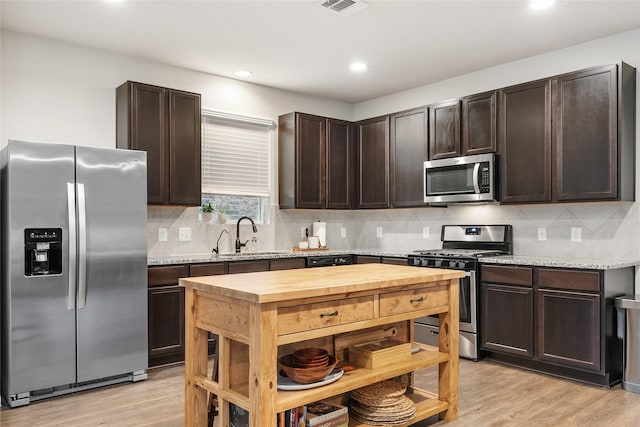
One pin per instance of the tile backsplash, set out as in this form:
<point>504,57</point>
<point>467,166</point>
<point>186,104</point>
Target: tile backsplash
<point>608,230</point>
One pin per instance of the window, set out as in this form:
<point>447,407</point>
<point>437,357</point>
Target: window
<point>235,164</point>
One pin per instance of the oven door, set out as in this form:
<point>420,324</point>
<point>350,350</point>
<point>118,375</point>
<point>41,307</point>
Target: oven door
<point>468,306</point>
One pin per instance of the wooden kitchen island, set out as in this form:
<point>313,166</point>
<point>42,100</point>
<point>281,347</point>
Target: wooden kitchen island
<point>259,316</point>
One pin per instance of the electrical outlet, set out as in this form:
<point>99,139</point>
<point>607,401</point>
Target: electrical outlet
<point>378,231</point>
<point>303,232</point>
<point>576,234</point>
<point>426,232</point>
<point>343,232</point>
<point>184,234</point>
<point>542,233</point>
<point>162,234</point>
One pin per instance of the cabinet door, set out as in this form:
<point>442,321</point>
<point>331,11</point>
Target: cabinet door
<point>479,124</point>
<point>408,154</point>
<point>310,164</point>
<point>507,319</point>
<point>373,163</point>
<point>184,148</point>
<point>569,328</point>
<point>146,130</point>
<point>340,164</point>
<point>444,130</point>
<point>166,314</point>
<point>166,324</point>
<point>585,134</point>
<point>525,142</point>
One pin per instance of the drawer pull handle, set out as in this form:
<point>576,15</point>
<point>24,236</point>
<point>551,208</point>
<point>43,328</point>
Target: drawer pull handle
<point>335,313</point>
<point>416,300</point>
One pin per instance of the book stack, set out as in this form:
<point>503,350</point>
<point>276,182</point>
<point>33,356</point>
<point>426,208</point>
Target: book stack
<point>317,414</point>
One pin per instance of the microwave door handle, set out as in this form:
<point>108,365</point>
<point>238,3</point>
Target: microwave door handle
<point>476,178</point>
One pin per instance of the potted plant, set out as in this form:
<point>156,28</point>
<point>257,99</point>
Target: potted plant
<point>222,216</point>
<point>207,212</point>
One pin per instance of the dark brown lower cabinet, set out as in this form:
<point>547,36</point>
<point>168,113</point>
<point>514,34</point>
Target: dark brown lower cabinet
<point>554,320</point>
<point>507,322</point>
<point>287,264</point>
<point>569,328</point>
<point>166,314</point>
<point>366,259</point>
<point>248,266</point>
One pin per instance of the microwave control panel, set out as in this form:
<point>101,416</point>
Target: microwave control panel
<point>485,184</point>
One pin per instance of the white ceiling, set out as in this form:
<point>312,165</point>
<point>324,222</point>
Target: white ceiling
<point>298,45</point>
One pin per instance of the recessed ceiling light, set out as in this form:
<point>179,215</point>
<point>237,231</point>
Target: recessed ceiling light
<point>243,73</point>
<point>358,67</point>
<point>541,4</point>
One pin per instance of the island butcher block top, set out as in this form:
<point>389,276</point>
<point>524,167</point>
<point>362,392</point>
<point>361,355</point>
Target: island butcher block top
<point>283,285</point>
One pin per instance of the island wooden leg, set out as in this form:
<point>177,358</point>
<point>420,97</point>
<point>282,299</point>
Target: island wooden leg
<point>263,365</point>
<point>195,364</point>
<point>449,337</point>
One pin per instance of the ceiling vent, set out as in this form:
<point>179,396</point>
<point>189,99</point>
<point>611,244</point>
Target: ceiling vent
<point>344,7</point>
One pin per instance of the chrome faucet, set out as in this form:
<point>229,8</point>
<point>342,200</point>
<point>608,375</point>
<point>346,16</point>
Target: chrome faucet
<point>216,250</point>
<point>239,244</point>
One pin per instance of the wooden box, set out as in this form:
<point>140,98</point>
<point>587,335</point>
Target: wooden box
<point>376,354</point>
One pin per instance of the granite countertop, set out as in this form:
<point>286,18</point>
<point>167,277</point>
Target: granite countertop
<point>590,264</point>
<point>211,257</point>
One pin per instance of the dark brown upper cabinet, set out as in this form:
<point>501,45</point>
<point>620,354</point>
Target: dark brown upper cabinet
<point>373,163</point>
<point>316,162</point>
<point>166,123</point>
<point>524,141</point>
<point>479,123</point>
<point>444,130</point>
<point>593,134</point>
<point>341,153</point>
<point>409,151</point>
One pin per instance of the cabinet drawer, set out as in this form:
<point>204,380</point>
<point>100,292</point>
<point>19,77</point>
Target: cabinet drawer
<point>503,274</point>
<point>287,263</point>
<point>324,314</point>
<point>207,269</point>
<point>417,299</point>
<point>574,280</point>
<point>166,275</point>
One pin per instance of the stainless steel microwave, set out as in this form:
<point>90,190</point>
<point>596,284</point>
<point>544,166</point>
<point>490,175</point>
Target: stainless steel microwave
<point>460,179</point>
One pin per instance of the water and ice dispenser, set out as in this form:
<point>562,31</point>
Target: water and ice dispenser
<point>42,251</point>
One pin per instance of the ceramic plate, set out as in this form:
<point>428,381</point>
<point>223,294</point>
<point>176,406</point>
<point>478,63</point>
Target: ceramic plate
<point>285,383</point>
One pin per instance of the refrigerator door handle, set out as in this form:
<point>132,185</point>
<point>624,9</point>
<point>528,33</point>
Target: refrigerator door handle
<point>82,248</point>
<point>71,207</point>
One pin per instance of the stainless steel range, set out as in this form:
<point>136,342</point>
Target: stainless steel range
<point>462,246</point>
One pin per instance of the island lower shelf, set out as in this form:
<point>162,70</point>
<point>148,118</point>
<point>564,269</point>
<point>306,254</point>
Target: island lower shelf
<point>425,357</point>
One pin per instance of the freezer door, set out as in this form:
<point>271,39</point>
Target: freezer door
<point>112,262</point>
<point>39,331</point>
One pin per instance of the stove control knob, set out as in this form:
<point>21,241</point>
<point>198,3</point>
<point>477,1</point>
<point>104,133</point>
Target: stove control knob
<point>416,261</point>
<point>437,263</point>
<point>452,263</point>
<point>461,265</point>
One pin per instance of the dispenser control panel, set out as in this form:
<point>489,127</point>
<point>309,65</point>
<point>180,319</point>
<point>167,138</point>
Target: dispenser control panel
<point>42,251</point>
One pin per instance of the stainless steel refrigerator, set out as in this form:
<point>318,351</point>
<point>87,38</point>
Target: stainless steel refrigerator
<point>74,258</point>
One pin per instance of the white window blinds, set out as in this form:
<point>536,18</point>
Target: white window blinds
<point>235,154</point>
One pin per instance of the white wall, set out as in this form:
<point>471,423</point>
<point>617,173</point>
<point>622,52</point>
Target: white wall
<point>59,92</point>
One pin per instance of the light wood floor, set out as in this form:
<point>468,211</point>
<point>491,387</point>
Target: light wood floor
<point>490,395</point>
